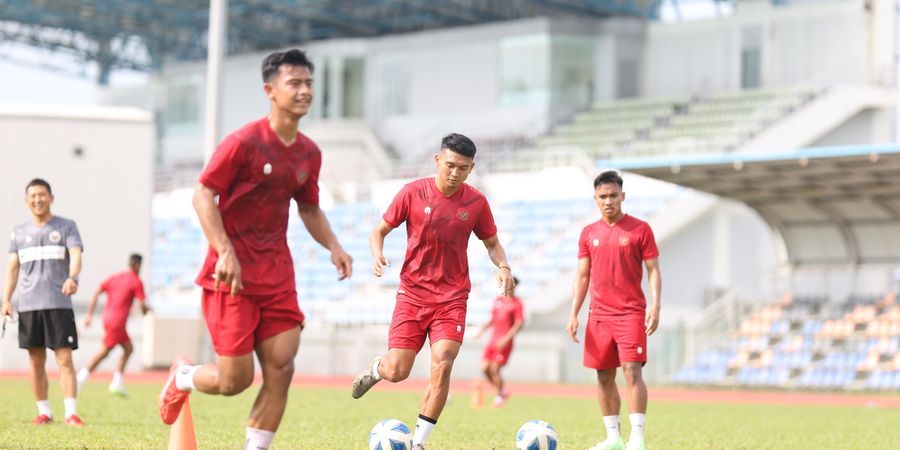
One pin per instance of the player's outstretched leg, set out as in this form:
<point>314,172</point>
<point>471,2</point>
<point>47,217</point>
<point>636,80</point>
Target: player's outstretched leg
<point>366,379</point>
<point>171,399</point>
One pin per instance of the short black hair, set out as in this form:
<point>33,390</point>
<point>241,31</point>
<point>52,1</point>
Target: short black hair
<point>458,143</point>
<point>292,57</point>
<point>134,259</point>
<point>39,182</point>
<point>610,176</point>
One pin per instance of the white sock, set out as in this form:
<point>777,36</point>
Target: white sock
<point>258,439</point>
<point>117,379</point>
<point>637,425</point>
<point>375,369</point>
<point>82,376</point>
<point>44,408</point>
<point>71,405</point>
<point>184,378</point>
<point>612,427</point>
<point>423,429</point>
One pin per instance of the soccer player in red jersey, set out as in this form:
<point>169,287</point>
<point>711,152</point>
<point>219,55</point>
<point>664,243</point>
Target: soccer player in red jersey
<point>440,214</point>
<point>506,320</point>
<point>121,289</point>
<point>249,296</point>
<point>610,254</point>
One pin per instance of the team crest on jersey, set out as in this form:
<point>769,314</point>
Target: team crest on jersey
<point>267,169</point>
<point>462,214</point>
<point>624,240</point>
<point>55,237</point>
<point>302,175</point>
<point>28,239</point>
<point>596,242</point>
<point>427,210</point>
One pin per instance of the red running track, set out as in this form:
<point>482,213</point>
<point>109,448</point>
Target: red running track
<point>571,391</point>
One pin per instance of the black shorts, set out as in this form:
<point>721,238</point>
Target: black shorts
<point>51,328</point>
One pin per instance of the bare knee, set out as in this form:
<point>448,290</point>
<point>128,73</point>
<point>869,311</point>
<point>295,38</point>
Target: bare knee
<point>394,372</point>
<point>607,378</point>
<point>632,373</point>
<point>234,384</point>
<point>486,369</point>
<point>279,374</point>
<point>442,368</point>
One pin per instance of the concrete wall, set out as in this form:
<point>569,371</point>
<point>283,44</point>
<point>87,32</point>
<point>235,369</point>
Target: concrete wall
<point>820,43</point>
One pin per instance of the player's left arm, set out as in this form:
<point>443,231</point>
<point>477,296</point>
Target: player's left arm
<point>498,256</point>
<point>654,280</point>
<point>317,224</point>
<point>70,286</point>
<point>142,298</point>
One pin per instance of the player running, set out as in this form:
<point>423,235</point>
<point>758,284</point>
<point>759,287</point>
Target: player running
<point>507,318</point>
<point>610,253</point>
<point>249,296</point>
<point>121,289</point>
<point>440,214</point>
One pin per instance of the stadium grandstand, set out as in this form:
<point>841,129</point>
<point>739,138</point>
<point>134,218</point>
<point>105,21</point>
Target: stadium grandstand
<point>758,142</point>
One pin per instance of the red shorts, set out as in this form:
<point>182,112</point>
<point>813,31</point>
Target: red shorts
<point>237,323</point>
<point>610,342</point>
<point>499,357</point>
<point>114,334</point>
<point>411,323</point>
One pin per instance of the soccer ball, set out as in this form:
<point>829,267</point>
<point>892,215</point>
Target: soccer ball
<point>390,434</point>
<point>536,435</point>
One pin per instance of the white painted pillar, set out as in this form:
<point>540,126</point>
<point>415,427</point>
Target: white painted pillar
<point>217,43</point>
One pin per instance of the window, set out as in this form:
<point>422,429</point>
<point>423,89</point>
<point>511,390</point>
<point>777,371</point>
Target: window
<point>182,110</point>
<point>525,70</point>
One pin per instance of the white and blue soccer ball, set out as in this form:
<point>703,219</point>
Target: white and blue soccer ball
<point>390,434</point>
<point>536,435</point>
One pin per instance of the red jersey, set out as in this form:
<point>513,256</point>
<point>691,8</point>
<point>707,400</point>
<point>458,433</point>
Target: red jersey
<point>436,267</point>
<point>121,289</point>
<point>505,313</point>
<point>256,176</point>
<point>617,252</point>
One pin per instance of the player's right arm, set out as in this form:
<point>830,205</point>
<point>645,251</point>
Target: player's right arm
<point>483,329</point>
<point>228,269</point>
<point>88,317</point>
<point>579,291</point>
<point>12,277</point>
<point>376,246</point>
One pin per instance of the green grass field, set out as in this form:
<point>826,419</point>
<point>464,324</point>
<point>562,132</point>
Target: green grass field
<point>330,419</point>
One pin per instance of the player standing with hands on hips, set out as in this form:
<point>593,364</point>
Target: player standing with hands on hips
<point>440,214</point>
<point>249,295</point>
<point>610,254</point>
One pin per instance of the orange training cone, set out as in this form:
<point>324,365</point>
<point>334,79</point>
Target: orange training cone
<point>181,436</point>
<point>476,400</point>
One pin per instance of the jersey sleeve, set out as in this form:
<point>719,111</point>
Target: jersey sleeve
<point>73,237</point>
<point>398,211</point>
<point>224,165</point>
<point>648,244</point>
<point>308,193</point>
<point>104,287</point>
<point>485,228</point>
<point>583,249</point>
<point>139,290</point>
<point>13,244</point>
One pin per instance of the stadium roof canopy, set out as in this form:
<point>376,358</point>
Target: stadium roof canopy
<point>837,205</point>
<point>142,34</point>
